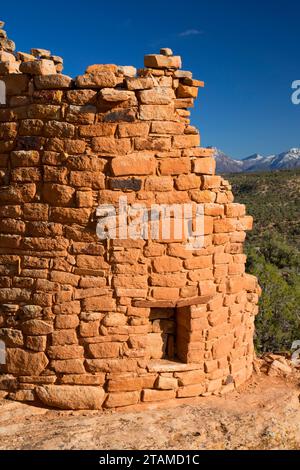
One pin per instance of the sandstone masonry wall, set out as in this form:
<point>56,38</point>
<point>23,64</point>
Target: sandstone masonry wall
<point>89,323</point>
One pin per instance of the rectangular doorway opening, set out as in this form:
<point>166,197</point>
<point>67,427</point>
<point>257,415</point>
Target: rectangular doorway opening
<point>163,340</point>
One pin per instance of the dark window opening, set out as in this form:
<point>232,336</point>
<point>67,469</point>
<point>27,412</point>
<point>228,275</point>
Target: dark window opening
<point>162,336</point>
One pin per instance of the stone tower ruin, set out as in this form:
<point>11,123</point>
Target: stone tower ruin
<point>105,323</point>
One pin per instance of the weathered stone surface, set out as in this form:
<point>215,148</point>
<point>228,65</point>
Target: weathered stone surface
<point>190,377</point>
<point>71,397</point>
<point>205,166</point>
<point>162,127</point>
<point>166,383</point>
<point>56,81</point>
<point>7,44</point>
<point>140,83</point>
<point>149,395</point>
<point>191,391</point>
<point>36,343</point>
<point>110,146</point>
<point>162,61</point>
<point>98,130</point>
<point>185,182</point>
<point>135,164</point>
<point>157,95</point>
<point>115,400</point>
<point>12,338</point>
<point>37,52</point>
<point>102,68</point>
<point>25,158</point>
<point>36,328</point>
<point>127,70</point>
<point>185,91</point>
<point>68,366</point>
<point>151,112</point>
<point>104,350</point>
<point>159,183</point>
<point>65,352</point>
<point>166,51</point>
<point>96,80</point>
<point>133,184</point>
<point>135,129</point>
<point>111,95</point>
<point>38,67</point>
<point>21,362</point>
<point>186,141</point>
<point>8,382</point>
<point>58,195</point>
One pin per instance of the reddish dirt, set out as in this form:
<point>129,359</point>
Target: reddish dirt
<point>264,414</point>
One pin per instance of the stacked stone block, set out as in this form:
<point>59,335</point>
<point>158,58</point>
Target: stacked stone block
<point>39,61</point>
<point>77,312</point>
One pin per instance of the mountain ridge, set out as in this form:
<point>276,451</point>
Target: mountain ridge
<point>288,160</point>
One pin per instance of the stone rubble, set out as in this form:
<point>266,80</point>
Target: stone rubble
<point>39,61</point>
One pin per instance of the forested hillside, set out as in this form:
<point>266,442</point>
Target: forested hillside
<point>273,249</point>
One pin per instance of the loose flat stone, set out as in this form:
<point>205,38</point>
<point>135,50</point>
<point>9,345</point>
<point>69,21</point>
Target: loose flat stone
<point>127,70</point>
<point>161,61</point>
<point>41,53</point>
<point>166,51</point>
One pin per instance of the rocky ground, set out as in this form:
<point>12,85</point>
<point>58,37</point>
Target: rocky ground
<point>264,414</point>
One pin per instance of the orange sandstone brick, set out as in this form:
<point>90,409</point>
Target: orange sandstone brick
<point>223,346</point>
<point>204,166</point>
<point>152,112</point>
<point>236,284</point>
<point>136,164</point>
<point>198,262</point>
<point>207,288</point>
<point>193,390</point>
<point>214,209</point>
<point>235,210</point>
<point>133,129</point>
<point>102,129</point>
<point>159,183</point>
<point>111,146</point>
<point>149,395</point>
<point>167,264</point>
<point>211,182</point>
<point>104,350</point>
<point>119,399</point>
<point>190,378</point>
<point>203,196</point>
<point>185,182</point>
<point>165,127</point>
<point>223,226</point>
<point>165,293</point>
<point>186,91</point>
<point>184,141</point>
<point>175,166</point>
<point>126,384</point>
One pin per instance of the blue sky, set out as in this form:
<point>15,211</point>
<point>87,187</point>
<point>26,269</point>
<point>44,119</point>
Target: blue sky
<point>247,52</point>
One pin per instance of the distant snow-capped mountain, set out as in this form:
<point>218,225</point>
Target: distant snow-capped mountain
<point>226,164</point>
<point>284,161</point>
